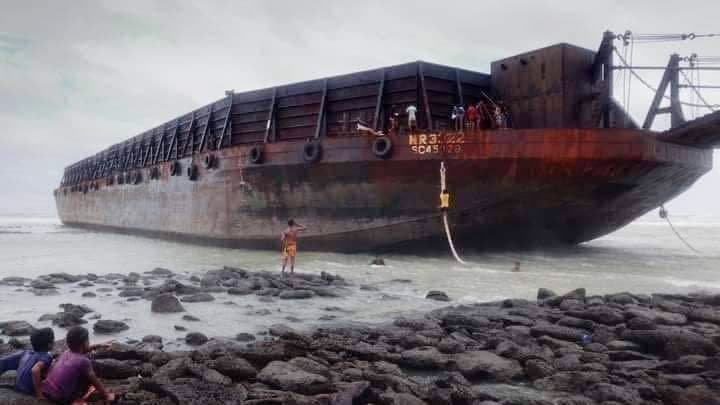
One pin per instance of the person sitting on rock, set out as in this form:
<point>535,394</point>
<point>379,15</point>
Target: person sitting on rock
<point>31,365</point>
<point>72,379</point>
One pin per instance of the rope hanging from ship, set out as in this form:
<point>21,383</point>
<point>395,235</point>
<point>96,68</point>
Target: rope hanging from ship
<point>664,215</point>
<point>445,217</point>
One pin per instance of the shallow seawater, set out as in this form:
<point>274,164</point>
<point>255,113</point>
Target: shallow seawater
<point>643,257</point>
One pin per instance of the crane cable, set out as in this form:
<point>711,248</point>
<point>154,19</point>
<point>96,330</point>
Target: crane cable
<point>649,86</point>
<point>445,218</point>
<point>664,215</point>
<point>689,82</point>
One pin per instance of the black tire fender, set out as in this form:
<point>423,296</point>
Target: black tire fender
<point>382,147</point>
<point>256,155</point>
<point>312,152</point>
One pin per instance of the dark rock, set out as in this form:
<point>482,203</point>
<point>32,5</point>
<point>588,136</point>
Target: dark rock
<point>377,262</point>
<point>89,294</point>
<point>710,315</point>
<point>602,392</point>
<point>166,303</point>
<point>244,337</point>
<point>640,323</point>
<point>475,364</point>
<point>576,323</point>
<point>160,272</point>
<point>437,296</point>
<point>195,339</point>
<point>44,292</point>
<point>577,294</point>
<point>190,318</point>
<point>558,332</point>
<point>623,345</point>
<point>599,314</point>
<point>282,375</point>
<point>424,358</point>
<point>68,319</point>
<point>16,328</point>
<point>234,367</point>
<point>42,285</point>
<point>296,294</point>
<point>47,317</point>
<point>201,297</point>
<point>240,291</point>
<point>112,369</point>
<point>659,317</point>
<point>180,328</point>
<point>367,287</point>
<point>621,299</point>
<point>107,326</point>
<point>570,381</point>
<point>544,293</point>
<point>10,397</point>
<point>671,343</point>
<point>536,369</point>
<point>132,292</point>
<point>152,339</point>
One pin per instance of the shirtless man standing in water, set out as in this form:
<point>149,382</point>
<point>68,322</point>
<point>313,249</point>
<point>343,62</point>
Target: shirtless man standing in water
<point>289,244</point>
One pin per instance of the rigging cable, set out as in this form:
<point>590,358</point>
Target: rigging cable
<point>664,215</point>
<point>445,218</point>
<point>649,86</point>
<point>708,105</point>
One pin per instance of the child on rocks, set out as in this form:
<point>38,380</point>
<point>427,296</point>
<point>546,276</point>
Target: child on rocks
<point>72,379</point>
<point>31,365</point>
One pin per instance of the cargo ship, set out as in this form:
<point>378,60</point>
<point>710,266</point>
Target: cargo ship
<point>340,156</point>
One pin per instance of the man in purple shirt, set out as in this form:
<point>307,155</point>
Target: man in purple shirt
<point>31,365</point>
<point>72,375</point>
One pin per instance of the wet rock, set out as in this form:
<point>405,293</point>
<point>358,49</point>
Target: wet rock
<point>671,343</point>
<point>16,328</point>
<point>285,376</point>
<point>570,381</point>
<point>536,369</point>
<point>296,294</point>
<point>599,314</point>
<point>196,339</point>
<point>377,262</point>
<point>699,394</point>
<point>236,368</point>
<point>44,292</point>
<point>621,298</point>
<point>152,339</point>
<point>424,358</point>
<point>244,337</point>
<point>180,328</point>
<point>395,398</point>
<point>475,364</point>
<point>132,292</point>
<point>558,332</point>
<point>544,293</point>
<point>240,290</point>
<point>68,319</point>
<point>14,281</point>
<point>47,318</point>
<point>166,303</point>
<point>710,315</point>
<point>368,287</point>
<point>190,318</point>
<point>112,369</point>
<point>437,296</point>
<point>108,326</point>
<point>576,323</point>
<point>602,392</point>
<point>640,323</point>
<point>201,297</point>
<point>160,272</point>
<point>88,294</point>
<point>655,316</point>
<point>42,285</point>
<point>10,397</point>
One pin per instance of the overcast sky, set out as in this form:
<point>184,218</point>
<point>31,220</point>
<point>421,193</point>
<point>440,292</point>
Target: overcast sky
<point>77,76</point>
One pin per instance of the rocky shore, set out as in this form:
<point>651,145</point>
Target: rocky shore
<point>571,349</point>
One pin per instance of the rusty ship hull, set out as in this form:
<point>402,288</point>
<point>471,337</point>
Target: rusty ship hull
<point>573,166</point>
<point>520,186</point>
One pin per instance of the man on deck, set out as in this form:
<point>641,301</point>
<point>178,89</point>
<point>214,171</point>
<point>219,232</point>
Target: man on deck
<point>412,117</point>
<point>289,244</point>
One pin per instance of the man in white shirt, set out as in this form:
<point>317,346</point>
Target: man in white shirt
<point>412,119</point>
